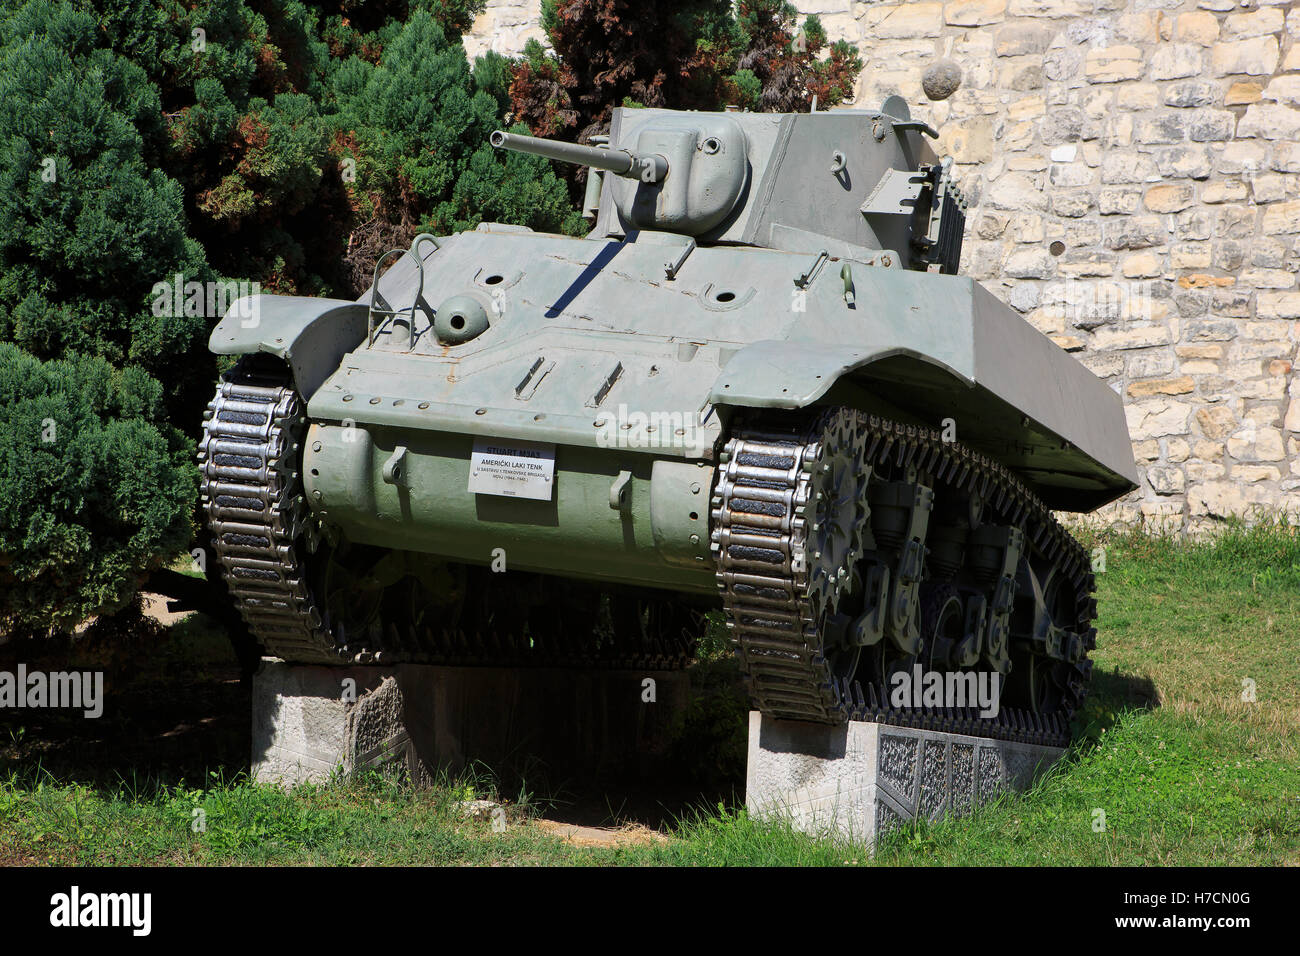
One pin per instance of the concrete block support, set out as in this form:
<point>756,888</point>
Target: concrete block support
<point>415,719</point>
<point>862,779</point>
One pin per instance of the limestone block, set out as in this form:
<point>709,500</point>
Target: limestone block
<point>974,13</point>
<point>910,20</point>
<point>408,719</point>
<point>1270,121</point>
<point>1256,24</point>
<point>1257,56</point>
<point>1113,64</point>
<point>1154,419</point>
<point>1197,26</point>
<point>860,780</point>
<point>1172,61</point>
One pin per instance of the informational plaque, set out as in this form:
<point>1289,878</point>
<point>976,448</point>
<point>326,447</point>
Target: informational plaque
<point>513,468</point>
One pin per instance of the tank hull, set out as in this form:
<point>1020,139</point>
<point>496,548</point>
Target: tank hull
<point>614,515</point>
<point>591,345</point>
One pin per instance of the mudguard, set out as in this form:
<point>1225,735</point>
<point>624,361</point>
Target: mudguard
<point>785,374</point>
<point>984,368</point>
<point>310,335</point>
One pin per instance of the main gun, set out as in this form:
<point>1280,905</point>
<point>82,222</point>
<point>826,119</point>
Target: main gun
<point>651,168</point>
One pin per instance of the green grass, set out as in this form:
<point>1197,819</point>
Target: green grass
<point>366,822</point>
<point>1185,770</point>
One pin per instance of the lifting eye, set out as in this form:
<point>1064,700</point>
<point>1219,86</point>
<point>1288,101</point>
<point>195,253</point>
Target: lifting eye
<point>711,145</point>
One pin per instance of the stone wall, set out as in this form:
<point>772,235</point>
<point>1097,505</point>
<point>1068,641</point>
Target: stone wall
<point>1135,176</point>
<point>505,26</point>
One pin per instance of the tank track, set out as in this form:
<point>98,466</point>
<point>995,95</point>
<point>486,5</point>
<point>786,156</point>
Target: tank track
<point>263,537</point>
<point>763,544</point>
<point>251,495</point>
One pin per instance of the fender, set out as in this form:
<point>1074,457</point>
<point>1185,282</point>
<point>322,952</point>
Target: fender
<point>1008,379</point>
<point>310,335</point>
<point>784,374</point>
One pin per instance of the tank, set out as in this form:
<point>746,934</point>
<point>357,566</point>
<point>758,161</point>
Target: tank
<point>759,386</point>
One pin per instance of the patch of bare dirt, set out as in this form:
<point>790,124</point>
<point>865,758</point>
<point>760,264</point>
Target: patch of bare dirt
<point>630,834</point>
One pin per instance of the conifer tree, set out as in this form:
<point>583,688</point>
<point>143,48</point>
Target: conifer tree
<point>95,486</point>
<point>148,142</point>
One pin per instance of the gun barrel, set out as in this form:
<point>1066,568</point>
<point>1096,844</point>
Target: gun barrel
<point>621,162</point>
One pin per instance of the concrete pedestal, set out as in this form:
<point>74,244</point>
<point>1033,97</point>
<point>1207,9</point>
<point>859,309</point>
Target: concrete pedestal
<point>414,720</point>
<point>862,779</point>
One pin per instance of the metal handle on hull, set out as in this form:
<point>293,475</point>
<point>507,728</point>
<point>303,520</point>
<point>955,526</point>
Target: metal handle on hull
<point>388,314</point>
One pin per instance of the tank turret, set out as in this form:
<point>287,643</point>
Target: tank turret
<point>863,183</point>
<point>685,173</point>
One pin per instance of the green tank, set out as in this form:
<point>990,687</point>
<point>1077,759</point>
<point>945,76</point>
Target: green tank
<point>758,386</point>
